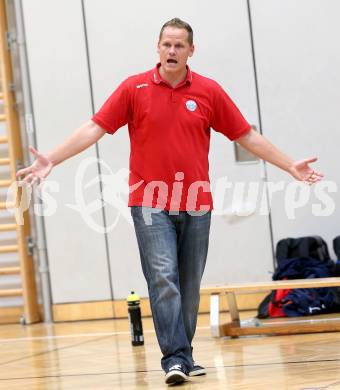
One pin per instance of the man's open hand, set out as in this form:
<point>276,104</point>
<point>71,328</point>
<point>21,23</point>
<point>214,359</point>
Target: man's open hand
<point>301,170</point>
<point>39,170</point>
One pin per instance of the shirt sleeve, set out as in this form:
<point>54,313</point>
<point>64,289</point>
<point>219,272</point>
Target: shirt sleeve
<point>115,112</point>
<point>226,117</point>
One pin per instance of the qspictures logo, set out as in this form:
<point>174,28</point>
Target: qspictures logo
<point>232,199</point>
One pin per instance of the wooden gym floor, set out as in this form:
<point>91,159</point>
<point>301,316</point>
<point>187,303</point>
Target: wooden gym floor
<point>98,355</point>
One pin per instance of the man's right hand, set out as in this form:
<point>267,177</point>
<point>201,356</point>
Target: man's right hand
<point>39,170</point>
<point>83,137</point>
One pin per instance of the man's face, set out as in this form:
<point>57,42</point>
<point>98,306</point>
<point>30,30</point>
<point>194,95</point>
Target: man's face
<point>174,49</point>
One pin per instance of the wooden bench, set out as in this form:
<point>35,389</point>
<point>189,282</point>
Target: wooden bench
<point>236,327</point>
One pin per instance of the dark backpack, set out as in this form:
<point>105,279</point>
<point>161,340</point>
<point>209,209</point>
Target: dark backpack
<point>313,246</point>
<point>336,247</point>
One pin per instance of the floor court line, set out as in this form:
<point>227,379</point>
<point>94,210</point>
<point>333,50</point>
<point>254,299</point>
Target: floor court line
<point>52,350</point>
<point>32,338</point>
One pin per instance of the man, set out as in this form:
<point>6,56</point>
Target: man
<point>169,111</point>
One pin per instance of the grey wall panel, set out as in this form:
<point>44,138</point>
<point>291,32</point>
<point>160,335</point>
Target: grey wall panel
<point>298,59</point>
<point>122,41</point>
<point>61,100</point>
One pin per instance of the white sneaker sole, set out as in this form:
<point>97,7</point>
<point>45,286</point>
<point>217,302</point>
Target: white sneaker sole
<point>198,372</point>
<point>175,376</point>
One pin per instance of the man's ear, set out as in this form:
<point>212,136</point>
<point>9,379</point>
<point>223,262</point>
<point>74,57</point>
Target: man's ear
<point>158,47</point>
<point>192,50</point>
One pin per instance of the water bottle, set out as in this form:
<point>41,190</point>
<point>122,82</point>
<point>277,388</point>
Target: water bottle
<point>135,318</point>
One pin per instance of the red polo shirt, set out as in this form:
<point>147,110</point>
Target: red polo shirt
<point>169,132</point>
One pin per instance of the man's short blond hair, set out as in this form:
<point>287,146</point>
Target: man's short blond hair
<point>178,23</point>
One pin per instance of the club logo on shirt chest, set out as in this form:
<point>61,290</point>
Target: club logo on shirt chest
<point>191,105</point>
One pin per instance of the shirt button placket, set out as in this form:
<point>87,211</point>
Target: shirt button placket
<point>173,96</point>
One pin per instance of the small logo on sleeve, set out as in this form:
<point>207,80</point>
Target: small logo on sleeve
<point>142,85</point>
<point>191,105</point>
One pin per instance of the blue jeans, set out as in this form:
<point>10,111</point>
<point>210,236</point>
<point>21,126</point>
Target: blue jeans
<point>173,251</point>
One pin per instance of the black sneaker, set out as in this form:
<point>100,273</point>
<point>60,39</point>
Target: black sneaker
<point>176,374</point>
<point>197,370</point>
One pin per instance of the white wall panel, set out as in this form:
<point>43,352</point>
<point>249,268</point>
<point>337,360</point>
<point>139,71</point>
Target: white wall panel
<point>298,58</point>
<point>61,100</point>
<point>122,41</point>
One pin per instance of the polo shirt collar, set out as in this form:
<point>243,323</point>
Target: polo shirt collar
<point>157,78</point>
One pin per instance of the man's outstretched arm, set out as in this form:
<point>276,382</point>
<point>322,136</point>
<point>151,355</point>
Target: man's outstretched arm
<point>82,138</point>
<point>257,144</point>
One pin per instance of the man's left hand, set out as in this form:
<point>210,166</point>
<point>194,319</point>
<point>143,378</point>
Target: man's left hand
<point>301,170</point>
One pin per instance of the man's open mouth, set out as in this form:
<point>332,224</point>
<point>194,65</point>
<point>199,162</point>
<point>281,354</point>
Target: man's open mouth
<point>171,61</point>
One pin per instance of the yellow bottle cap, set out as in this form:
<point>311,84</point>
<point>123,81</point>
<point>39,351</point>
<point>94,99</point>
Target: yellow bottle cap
<point>133,297</point>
